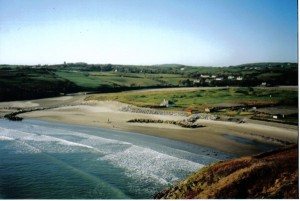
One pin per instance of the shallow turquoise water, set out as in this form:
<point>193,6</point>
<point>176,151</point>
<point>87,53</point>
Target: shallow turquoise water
<point>42,160</point>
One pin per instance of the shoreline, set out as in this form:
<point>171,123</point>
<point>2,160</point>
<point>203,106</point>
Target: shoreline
<point>107,114</point>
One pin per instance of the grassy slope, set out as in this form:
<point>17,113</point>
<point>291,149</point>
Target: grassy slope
<point>268,175</point>
<point>198,99</point>
<point>81,79</point>
<point>113,79</point>
<point>30,83</point>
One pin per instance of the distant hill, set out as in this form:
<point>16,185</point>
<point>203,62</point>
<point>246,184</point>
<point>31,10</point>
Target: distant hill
<point>268,64</point>
<point>169,65</point>
<point>21,82</point>
<point>268,175</point>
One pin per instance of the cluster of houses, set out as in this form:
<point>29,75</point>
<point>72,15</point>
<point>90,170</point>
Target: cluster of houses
<point>209,78</point>
<point>166,103</point>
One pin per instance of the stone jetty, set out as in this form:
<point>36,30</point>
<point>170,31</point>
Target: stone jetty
<point>184,124</point>
<point>191,118</point>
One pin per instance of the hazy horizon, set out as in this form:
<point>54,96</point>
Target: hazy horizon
<point>149,32</point>
<point>53,64</point>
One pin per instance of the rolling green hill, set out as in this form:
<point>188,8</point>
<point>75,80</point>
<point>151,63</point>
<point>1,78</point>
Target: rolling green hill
<point>19,82</point>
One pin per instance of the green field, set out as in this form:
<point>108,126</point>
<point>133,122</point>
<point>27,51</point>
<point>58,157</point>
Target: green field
<point>82,79</point>
<point>198,99</point>
<point>233,102</point>
<point>20,82</point>
<point>27,84</point>
<point>115,79</point>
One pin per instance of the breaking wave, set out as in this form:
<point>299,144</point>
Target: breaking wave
<point>144,159</point>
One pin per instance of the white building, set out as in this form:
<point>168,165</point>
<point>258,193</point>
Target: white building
<point>167,103</point>
<point>263,84</point>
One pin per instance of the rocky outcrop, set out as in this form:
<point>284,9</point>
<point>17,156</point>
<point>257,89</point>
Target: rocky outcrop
<point>269,175</point>
<point>184,124</point>
<point>141,110</point>
<point>13,116</point>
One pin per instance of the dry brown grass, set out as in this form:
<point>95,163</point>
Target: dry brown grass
<point>257,102</point>
<point>269,175</point>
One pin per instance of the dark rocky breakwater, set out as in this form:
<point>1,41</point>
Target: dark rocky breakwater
<point>13,116</point>
<point>141,110</point>
<point>189,122</point>
<point>184,124</point>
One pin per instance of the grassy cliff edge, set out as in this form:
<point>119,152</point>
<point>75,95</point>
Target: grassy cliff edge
<point>272,174</point>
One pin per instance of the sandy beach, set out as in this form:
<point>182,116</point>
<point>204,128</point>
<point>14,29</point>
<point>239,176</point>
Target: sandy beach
<point>108,114</point>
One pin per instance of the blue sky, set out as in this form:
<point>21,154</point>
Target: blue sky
<point>145,32</point>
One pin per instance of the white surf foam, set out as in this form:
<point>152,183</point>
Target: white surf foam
<point>4,138</point>
<point>42,142</point>
<point>151,165</point>
<point>20,147</point>
<point>137,161</point>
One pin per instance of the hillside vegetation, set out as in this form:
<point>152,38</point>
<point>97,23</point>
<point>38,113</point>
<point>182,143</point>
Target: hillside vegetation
<point>19,82</point>
<point>228,102</point>
<point>28,83</point>
<point>268,175</point>
<point>198,99</point>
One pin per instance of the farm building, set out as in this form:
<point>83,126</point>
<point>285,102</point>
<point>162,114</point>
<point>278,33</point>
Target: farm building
<point>166,103</point>
<point>210,109</point>
<point>207,110</point>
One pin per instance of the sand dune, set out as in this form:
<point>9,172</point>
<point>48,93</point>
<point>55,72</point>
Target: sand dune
<point>107,114</point>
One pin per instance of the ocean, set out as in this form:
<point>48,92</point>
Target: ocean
<point>43,160</point>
